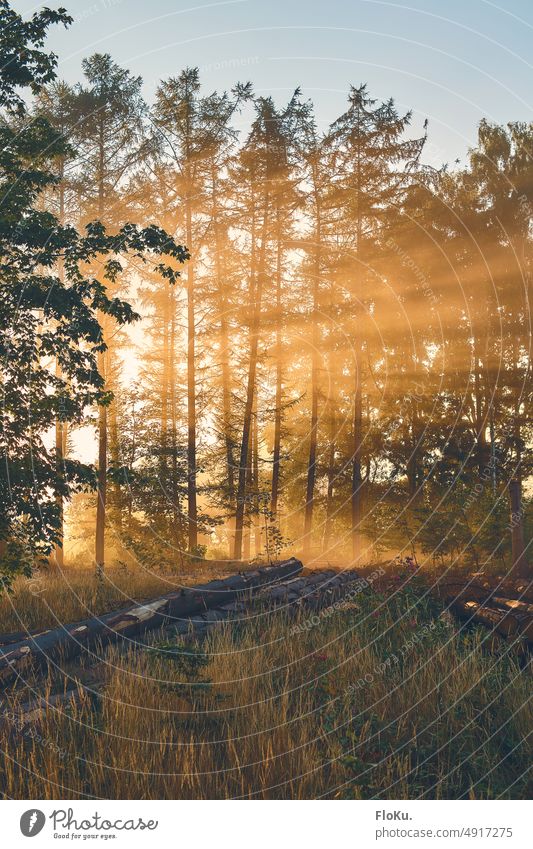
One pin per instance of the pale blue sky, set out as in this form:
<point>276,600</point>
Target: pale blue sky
<point>452,62</point>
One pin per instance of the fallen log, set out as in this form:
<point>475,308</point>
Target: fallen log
<point>514,604</point>
<point>483,592</point>
<point>315,592</point>
<point>20,636</point>
<point>504,622</point>
<point>68,641</point>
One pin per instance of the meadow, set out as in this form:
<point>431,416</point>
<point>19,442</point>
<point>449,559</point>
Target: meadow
<point>387,698</point>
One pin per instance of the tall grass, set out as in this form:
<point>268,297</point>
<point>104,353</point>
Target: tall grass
<point>381,700</point>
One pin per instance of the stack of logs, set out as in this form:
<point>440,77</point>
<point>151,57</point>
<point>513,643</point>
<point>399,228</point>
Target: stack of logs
<point>189,611</point>
<point>505,606</point>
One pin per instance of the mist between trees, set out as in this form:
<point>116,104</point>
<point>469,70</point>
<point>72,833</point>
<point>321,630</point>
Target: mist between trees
<point>330,345</point>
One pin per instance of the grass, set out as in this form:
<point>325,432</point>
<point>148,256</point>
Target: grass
<point>383,700</point>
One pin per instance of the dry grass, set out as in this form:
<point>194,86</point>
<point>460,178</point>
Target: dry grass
<point>260,712</point>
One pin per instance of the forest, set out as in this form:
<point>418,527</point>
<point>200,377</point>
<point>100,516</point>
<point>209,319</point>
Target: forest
<point>346,346</point>
<point>232,334</point>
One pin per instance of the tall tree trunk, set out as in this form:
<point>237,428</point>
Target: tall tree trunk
<point>482,449</point>
<point>331,476</point>
<point>413,463</point>
<point>520,565</point>
<point>176,507</point>
<point>227,424</point>
<point>58,558</point>
<point>248,508</point>
<point>255,471</point>
<point>132,458</point>
<point>279,376</point>
<point>101,478</point>
<point>113,439</point>
<point>313,435</point>
<point>357,481</point>
<point>165,383</point>
<point>61,425</point>
<point>357,484</point>
<point>255,308</point>
<point>101,492</point>
<point>192,508</point>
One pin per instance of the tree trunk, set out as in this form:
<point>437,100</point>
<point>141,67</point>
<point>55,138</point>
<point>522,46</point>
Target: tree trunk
<point>176,506</point>
<point>192,508</point>
<point>101,479</point>
<point>357,481</point>
<point>255,306</point>
<point>114,447</point>
<point>61,425</point>
<point>482,449</point>
<point>248,513</point>
<point>331,478</point>
<point>313,435</point>
<point>255,472</point>
<point>227,425</point>
<point>165,383</point>
<point>279,375</point>
<point>101,492</point>
<point>58,558</point>
<point>520,565</point>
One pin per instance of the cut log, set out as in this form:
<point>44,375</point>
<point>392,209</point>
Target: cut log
<point>484,592</point>
<point>503,622</point>
<point>20,636</point>
<point>514,604</point>
<point>64,643</point>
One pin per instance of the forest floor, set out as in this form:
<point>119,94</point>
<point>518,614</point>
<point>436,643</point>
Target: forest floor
<point>388,698</point>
